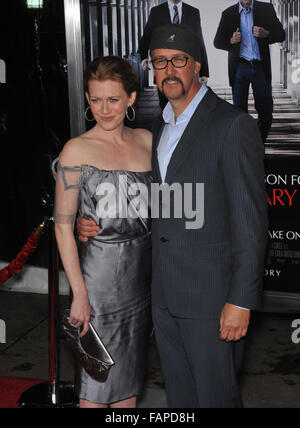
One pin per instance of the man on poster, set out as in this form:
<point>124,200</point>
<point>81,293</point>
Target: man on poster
<point>205,281</point>
<point>246,30</point>
<point>176,12</point>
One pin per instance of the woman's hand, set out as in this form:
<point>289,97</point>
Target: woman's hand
<point>80,313</point>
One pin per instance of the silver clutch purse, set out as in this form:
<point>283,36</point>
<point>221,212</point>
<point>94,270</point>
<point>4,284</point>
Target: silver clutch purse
<point>89,350</point>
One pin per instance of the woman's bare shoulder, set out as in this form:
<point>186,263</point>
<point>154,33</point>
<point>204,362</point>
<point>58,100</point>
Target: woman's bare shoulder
<point>73,151</point>
<point>144,136</point>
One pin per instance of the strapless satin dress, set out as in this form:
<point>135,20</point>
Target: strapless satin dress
<point>116,266</point>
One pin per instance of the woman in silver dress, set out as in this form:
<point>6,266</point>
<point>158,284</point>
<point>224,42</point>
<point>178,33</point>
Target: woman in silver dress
<point>105,173</point>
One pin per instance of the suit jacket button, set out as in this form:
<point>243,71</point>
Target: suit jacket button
<point>163,240</point>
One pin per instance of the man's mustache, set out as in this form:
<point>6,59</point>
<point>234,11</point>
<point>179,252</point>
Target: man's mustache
<point>172,78</point>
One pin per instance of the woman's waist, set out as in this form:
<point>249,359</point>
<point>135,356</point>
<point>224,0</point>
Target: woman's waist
<point>136,237</point>
<point>120,229</point>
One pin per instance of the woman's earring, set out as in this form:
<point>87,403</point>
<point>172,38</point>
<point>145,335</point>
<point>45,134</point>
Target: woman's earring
<point>131,119</point>
<point>86,116</point>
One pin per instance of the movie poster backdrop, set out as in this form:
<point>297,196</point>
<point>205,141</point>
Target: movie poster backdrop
<point>114,27</point>
<point>283,198</point>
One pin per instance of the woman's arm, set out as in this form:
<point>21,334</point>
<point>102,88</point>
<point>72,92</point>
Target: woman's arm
<point>80,309</point>
<point>66,206</point>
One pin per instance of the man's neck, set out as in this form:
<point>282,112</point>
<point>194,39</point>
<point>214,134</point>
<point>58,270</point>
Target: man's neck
<point>246,8</point>
<point>181,104</point>
<point>174,4</point>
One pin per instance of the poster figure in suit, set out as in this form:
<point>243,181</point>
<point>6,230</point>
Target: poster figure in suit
<point>176,12</point>
<point>246,30</point>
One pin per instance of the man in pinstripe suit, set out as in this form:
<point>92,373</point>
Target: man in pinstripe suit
<point>205,281</point>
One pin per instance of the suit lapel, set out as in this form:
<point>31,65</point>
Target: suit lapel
<point>256,15</point>
<point>236,17</point>
<point>196,127</point>
<point>166,13</point>
<point>184,18</point>
<point>156,137</point>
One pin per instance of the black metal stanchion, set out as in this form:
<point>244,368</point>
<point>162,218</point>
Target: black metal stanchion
<point>52,394</point>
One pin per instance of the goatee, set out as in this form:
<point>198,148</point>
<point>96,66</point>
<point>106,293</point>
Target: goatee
<point>175,79</point>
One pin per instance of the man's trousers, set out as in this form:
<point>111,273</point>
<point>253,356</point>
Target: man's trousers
<point>262,93</point>
<point>200,370</point>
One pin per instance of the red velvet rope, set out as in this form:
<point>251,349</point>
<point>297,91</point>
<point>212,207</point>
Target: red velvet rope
<point>17,264</point>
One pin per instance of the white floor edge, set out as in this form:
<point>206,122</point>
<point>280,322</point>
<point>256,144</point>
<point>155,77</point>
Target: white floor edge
<point>33,280</point>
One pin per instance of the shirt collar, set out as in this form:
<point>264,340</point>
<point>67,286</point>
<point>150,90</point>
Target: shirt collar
<point>168,113</point>
<point>241,7</point>
<point>171,5</point>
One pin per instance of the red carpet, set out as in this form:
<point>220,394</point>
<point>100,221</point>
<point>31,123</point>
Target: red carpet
<point>11,389</point>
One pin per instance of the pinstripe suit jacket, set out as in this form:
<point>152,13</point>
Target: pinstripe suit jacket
<point>195,272</point>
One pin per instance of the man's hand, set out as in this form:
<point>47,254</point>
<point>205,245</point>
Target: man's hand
<point>204,79</point>
<point>146,64</point>
<point>260,32</point>
<point>86,228</point>
<point>236,37</point>
<point>234,323</point>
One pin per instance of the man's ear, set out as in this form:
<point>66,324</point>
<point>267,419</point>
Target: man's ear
<point>197,67</point>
